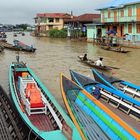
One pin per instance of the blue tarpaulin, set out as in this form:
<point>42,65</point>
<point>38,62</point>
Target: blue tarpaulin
<point>111,32</point>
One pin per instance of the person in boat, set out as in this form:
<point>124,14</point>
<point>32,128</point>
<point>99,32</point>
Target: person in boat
<point>99,62</point>
<point>96,92</point>
<point>85,57</point>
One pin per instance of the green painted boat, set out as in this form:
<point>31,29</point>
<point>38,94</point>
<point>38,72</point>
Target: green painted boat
<point>37,107</point>
<point>92,119</point>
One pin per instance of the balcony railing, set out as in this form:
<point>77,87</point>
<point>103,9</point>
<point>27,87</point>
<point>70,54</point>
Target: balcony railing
<point>121,19</point>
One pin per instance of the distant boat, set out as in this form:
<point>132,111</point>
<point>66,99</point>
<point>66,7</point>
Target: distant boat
<point>21,46</point>
<point>93,119</point>
<point>37,107</point>
<point>114,49</point>
<point>15,35</point>
<point>23,34</point>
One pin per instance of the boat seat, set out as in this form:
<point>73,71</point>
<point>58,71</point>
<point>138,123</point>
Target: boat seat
<point>35,103</point>
<point>36,100</point>
<point>29,87</point>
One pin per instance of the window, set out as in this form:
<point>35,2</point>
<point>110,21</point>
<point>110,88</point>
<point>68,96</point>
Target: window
<point>129,28</point>
<point>57,20</point>
<point>50,27</point>
<point>108,13</point>
<point>138,28</point>
<point>122,12</point>
<point>129,11</point>
<point>50,20</point>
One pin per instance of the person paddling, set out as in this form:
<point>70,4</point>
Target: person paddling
<point>85,57</point>
<point>99,62</point>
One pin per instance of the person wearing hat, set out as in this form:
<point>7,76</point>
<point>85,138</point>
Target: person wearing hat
<point>99,62</point>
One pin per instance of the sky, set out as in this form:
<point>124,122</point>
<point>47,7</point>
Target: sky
<point>24,11</point>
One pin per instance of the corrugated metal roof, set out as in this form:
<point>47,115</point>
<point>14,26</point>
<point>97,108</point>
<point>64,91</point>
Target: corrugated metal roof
<point>86,18</point>
<point>118,3</point>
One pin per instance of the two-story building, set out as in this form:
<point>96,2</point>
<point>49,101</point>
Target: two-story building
<point>78,25</point>
<point>47,21</point>
<point>122,16</point>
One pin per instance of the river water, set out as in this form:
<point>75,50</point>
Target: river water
<point>59,55</point>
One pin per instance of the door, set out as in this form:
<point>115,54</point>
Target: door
<point>115,15</point>
<point>122,29</point>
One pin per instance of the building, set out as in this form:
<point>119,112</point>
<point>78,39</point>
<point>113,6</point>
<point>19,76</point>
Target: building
<point>47,21</point>
<point>94,31</point>
<point>122,16</point>
<point>77,25</point>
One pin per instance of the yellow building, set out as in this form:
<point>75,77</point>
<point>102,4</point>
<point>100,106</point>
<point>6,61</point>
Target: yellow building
<point>47,21</point>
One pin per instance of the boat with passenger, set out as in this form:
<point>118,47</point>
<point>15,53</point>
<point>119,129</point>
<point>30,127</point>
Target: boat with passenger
<point>116,98</point>
<point>91,117</point>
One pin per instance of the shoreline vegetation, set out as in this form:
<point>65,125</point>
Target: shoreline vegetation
<point>55,33</point>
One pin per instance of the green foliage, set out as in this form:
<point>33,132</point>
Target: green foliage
<point>55,33</point>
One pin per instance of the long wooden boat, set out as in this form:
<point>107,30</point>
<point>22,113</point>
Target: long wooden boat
<point>37,107</point>
<point>114,97</point>
<point>115,49</point>
<point>91,63</point>
<point>115,83</point>
<point>92,118</point>
<point>23,47</point>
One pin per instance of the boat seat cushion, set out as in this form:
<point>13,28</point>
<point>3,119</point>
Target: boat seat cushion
<point>36,100</point>
<point>30,88</point>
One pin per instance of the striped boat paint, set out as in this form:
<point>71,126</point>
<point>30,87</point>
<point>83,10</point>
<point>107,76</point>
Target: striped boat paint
<point>91,106</point>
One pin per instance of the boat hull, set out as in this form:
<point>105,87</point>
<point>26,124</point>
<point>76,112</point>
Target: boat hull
<point>38,121</point>
<point>92,64</point>
<point>71,92</point>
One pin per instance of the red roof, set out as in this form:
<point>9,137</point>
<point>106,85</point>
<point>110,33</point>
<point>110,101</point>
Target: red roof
<point>86,17</point>
<point>54,15</point>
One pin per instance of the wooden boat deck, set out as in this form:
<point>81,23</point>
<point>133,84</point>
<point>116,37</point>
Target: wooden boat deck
<point>129,120</point>
<point>41,121</point>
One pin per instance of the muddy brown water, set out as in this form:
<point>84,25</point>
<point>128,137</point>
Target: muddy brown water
<point>59,55</point>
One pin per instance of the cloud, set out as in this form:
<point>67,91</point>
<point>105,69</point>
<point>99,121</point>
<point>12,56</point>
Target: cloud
<point>19,11</point>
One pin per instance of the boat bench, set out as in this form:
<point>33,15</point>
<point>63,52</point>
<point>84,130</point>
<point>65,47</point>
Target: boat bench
<point>36,109</point>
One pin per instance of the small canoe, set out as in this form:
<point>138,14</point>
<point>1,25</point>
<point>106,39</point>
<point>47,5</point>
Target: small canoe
<point>37,107</point>
<point>93,119</point>
<point>91,63</point>
<point>128,88</point>
<point>114,97</point>
<point>23,47</point>
<point>115,49</point>
<point>15,35</point>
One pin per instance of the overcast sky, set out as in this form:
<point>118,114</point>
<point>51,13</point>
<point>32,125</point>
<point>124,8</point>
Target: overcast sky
<point>23,11</point>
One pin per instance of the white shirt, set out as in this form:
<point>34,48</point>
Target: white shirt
<point>98,63</point>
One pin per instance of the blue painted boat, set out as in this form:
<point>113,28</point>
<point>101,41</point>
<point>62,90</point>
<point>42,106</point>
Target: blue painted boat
<point>23,47</point>
<point>118,84</point>
<point>115,97</point>
<point>91,117</point>
<point>37,107</point>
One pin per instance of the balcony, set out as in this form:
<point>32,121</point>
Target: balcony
<point>121,19</point>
